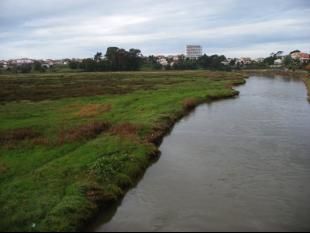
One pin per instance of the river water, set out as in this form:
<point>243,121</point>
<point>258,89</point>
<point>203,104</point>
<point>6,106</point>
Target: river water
<point>234,165</point>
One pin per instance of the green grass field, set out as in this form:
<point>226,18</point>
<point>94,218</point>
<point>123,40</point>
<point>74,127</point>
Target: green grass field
<point>72,143</point>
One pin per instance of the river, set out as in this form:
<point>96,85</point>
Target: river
<point>241,164</point>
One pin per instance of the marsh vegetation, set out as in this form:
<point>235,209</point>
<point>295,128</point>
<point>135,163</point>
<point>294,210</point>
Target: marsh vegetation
<point>72,143</point>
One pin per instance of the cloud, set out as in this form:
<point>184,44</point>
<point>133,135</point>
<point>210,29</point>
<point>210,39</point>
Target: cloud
<point>79,28</point>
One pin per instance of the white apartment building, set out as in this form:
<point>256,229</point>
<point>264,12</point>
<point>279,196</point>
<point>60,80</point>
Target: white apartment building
<point>193,51</point>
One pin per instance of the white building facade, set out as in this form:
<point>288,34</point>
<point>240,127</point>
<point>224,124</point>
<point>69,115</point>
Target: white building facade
<point>193,51</point>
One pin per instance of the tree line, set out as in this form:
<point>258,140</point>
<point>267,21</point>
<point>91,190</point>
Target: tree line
<point>118,59</point>
<point>115,59</point>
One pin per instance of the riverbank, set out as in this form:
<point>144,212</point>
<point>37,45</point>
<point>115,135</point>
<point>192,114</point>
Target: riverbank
<point>73,143</point>
<point>215,159</point>
<point>307,82</point>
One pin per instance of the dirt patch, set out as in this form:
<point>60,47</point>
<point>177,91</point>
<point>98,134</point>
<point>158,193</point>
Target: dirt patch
<point>3,168</point>
<point>125,129</point>
<point>83,132</point>
<point>190,103</point>
<point>92,110</point>
<point>17,135</point>
<point>98,195</point>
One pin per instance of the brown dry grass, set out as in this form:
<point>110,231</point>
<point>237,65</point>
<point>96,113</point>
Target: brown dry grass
<point>125,130</point>
<point>3,168</point>
<point>92,110</point>
<point>41,141</point>
<point>190,103</point>
<point>17,135</point>
<point>96,194</point>
<point>83,132</point>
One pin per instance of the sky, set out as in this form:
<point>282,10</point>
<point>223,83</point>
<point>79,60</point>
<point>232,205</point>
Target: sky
<point>79,28</point>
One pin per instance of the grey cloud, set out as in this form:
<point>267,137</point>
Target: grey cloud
<point>54,28</point>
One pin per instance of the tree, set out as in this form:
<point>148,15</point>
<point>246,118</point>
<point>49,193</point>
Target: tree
<point>295,51</point>
<point>111,53</point>
<point>157,66</point>
<point>120,59</point>
<point>233,62</point>
<point>135,59</point>
<point>24,68</point>
<point>279,54</point>
<point>213,62</point>
<point>89,65</point>
<point>152,59</point>
<point>288,61</point>
<point>98,57</point>
<point>292,64</point>
<point>37,66</point>
<point>74,65</point>
<point>270,60</point>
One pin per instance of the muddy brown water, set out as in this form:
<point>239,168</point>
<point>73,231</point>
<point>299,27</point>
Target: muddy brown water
<point>235,165</point>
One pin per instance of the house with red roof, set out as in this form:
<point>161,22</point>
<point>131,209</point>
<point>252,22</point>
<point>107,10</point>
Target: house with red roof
<point>303,57</point>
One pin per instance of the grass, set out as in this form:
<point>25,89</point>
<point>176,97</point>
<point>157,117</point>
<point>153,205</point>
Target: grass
<point>70,144</point>
<point>307,82</point>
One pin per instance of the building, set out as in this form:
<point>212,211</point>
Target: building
<point>245,60</point>
<point>193,51</point>
<point>295,55</point>
<point>278,62</point>
<point>304,57</point>
<point>163,61</point>
<point>174,58</point>
<point>3,65</point>
<point>23,61</point>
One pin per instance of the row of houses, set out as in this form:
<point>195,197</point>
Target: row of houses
<point>242,61</point>
<point>304,58</point>
<point>169,60</point>
<point>6,64</point>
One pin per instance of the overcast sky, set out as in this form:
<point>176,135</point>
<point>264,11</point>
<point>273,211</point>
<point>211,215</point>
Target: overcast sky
<point>80,28</point>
